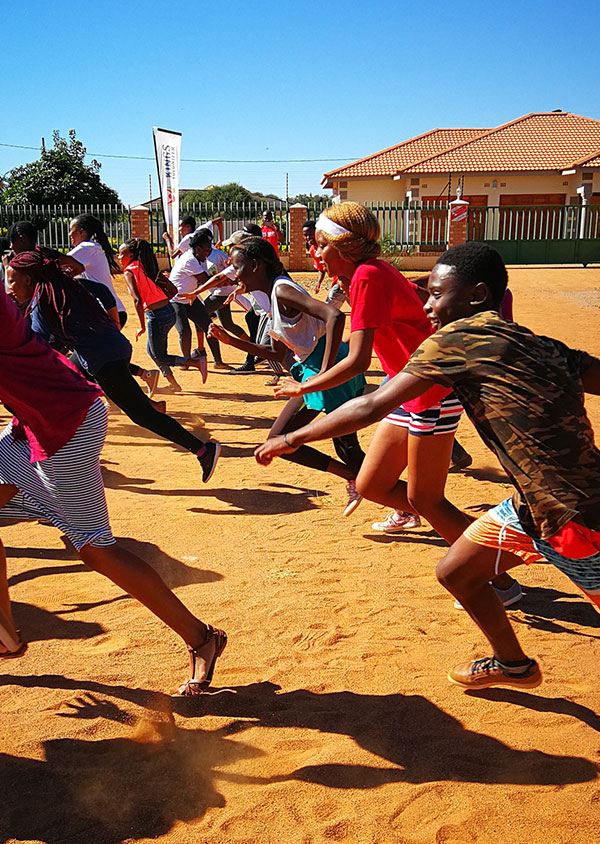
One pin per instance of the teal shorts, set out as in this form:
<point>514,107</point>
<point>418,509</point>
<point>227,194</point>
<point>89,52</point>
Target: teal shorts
<point>327,400</point>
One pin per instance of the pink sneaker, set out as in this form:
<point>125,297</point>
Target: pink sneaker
<point>397,522</point>
<point>354,498</point>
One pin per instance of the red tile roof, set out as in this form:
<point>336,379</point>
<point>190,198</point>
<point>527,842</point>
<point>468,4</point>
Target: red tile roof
<point>389,161</point>
<point>591,161</point>
<point>538,141</point>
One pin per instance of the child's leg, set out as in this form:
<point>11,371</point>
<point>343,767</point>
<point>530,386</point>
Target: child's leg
<point>139,580</point>
<point>7,491</point>
<point>386,459</point>
<point>428,462</point>
<point>465,571</point>
<point>293,416</point>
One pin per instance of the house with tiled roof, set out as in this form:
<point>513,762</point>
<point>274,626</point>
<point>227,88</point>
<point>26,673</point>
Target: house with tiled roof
<point>543,158</point>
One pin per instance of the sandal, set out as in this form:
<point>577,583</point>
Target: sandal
<point>194,686</point>
<point>14,647</point>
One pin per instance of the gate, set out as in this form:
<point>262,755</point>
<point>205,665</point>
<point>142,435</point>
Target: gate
<point>539,234</point>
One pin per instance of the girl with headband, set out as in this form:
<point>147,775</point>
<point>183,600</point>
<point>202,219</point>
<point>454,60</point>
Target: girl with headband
<point>50,469</point>
<point>388,318</point>
<point>313,332</point>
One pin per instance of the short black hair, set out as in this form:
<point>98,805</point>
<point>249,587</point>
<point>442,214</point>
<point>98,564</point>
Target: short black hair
<point>309,224</point>
<point>188,220</point>
<point>201,238</point>
<point>477,263</point>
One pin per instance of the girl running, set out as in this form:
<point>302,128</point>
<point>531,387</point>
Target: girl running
<point>91,247</point>
<point>388,318</point>
<point>61,308</point>
<point>313,331</point>
<point>50,469</point>
<point>23,237</point>
<point>155,311</point>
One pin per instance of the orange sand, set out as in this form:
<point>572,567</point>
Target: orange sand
<point>332,718</point>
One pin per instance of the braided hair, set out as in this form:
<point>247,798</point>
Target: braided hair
<point>55,294</point>
<point>27,229</point>
<point>95,231</point>
<point>142,252</point>
<point>259,249</point>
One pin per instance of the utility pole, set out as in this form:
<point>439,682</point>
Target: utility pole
<point>43,145</point>
<point>287,185</point>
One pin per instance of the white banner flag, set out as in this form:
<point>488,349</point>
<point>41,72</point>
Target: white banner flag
<point>167,146</point>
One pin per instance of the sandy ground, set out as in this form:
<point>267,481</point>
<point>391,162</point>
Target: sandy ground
<point>332,719</point>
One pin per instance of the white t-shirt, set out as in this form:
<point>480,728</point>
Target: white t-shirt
<point>91,255</point>
<point>184,243</point>
<point>183,273</point>
<point>216,262</point>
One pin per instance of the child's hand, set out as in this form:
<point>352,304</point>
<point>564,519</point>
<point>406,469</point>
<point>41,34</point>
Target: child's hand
<point>219,334</point>
<point>288,387</point>
<point>273,447</point>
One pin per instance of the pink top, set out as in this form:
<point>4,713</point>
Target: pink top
<point>383,299</point>
<point>47,395</point>
<point>150,293</point>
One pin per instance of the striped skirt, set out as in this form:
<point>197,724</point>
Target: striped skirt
<point>66,489</point>
<point>441,418</point>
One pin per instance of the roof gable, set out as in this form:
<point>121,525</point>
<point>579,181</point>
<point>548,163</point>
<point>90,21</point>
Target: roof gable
<point>537,141</point>
<point>389,161</point>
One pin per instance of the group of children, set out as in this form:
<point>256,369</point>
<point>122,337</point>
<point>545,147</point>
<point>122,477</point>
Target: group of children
<point>442,350</point>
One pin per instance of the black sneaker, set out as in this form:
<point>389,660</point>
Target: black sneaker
<point>208,460</point>
<point>244,369</point>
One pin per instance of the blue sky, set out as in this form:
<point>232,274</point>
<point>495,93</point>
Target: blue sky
<point>282,80</point>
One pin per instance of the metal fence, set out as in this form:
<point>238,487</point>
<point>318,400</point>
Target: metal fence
<point>534,222</point>
<point>116,220</point>
<point>412,226</point>
<point>234,215</point>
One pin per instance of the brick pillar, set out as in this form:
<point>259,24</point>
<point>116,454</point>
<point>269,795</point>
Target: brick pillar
<point>457,222</point>
<point>298,215</point>
<point>140,222</point>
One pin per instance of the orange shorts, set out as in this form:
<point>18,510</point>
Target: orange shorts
<point>486,531</point>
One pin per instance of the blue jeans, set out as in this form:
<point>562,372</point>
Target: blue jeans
<point>158,324</point>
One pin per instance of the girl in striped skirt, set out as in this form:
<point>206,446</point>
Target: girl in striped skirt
<point>50,469</point>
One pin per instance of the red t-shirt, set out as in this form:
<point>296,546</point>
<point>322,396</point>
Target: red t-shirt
<point>383,299</point>
<point>270,233</point>
<point>47,395</point>
<point>317,262</point>
<point>150,293</point>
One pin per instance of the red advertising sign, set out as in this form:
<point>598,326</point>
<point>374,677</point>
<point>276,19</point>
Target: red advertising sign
<point>458,212</point>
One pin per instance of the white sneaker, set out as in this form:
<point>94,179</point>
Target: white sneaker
<point>354,498</point>
<point>397,522</point>
<point>508,596</point>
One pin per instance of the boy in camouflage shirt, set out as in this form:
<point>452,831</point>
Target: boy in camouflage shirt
<point>524,394</point>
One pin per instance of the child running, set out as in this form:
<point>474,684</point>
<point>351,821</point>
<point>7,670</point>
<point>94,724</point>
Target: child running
<point>50,469</point>
<point>524,394</point>
<point>313,331</point>
<point>387,317</point>
<point>63,309</point>
<point>155,312</point>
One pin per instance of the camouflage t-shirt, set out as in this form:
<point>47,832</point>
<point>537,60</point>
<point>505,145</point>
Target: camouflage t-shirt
<point>523,393</point>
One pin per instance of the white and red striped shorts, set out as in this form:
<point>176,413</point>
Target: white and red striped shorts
<point>440,418</point>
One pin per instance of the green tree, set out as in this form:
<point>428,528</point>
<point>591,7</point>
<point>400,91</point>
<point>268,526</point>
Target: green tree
<point>309,199</point>
<point>232,192</point>
<point>60,175</point>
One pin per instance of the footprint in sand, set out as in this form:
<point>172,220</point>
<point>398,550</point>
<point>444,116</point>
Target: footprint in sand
<point>106,644</point>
